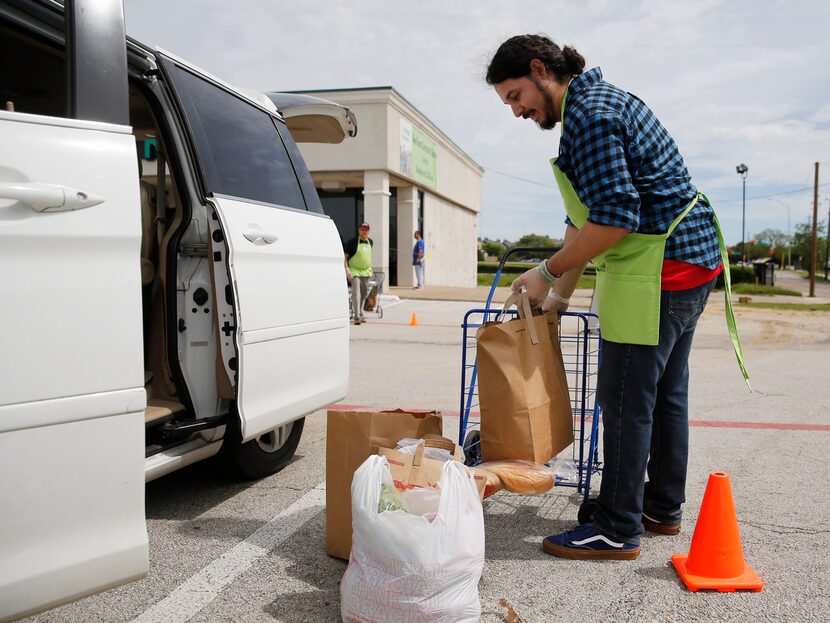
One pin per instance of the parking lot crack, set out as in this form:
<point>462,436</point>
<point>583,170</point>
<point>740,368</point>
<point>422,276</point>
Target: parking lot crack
<point>778,529</point>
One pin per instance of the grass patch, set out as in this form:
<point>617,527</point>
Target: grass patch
<point>752,288</point>
<point>586,282</point>
<point>811,307</point>
<point>805,274</point>
<point>486,279</point>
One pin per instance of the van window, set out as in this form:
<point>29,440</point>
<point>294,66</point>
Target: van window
<point>241,152</point>
<point>312,199</point>
<point>35,81</point>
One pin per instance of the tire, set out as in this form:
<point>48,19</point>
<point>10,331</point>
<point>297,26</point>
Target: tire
<point>472,448</point>
<point>586,511</point>
<point>380,312</point>
<point>264,455</point>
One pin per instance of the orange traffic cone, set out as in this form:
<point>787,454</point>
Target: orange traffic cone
<point>414,321</point>
<point>715,559</point>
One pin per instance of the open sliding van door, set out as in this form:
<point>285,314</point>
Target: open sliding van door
<point>71,372</point>
<point>281,255</point>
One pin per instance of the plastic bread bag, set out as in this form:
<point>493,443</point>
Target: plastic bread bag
<point>525,477</point>
<point>405,568</point>
<point>410,446</point>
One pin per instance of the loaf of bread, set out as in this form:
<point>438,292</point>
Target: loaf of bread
<point>523,477</point>
<point>492,481</point>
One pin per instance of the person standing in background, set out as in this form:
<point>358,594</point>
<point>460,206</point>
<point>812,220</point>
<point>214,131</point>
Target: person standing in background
<point>418,260</point>
<point>358,264</point>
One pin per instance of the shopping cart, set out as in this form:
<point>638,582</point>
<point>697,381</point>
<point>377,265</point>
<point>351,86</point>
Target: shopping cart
<point>372,303</point>
<point>580,342</point>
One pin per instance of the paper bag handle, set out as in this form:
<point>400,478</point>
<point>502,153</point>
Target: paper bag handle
<point>522,303</point>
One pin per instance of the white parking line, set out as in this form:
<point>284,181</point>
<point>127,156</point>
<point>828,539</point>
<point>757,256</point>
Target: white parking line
<point>202,588</point>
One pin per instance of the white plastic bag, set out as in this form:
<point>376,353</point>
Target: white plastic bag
<point>404,568</point>
<point>422,501</point>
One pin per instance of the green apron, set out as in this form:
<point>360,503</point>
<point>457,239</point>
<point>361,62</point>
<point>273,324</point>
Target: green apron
<point>628,285</point>
<point>360,264</point>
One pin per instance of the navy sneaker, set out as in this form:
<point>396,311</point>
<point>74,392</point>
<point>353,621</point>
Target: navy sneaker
<point>660,527</point>
<point>587,542</point>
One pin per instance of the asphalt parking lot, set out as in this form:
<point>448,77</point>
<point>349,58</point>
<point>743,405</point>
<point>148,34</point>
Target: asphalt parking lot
<point>222,550</point>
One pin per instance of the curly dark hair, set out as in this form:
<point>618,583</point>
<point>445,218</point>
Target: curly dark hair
<point>512,59</point>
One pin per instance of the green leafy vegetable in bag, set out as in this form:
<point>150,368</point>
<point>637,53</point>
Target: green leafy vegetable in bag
<point>390,499</point>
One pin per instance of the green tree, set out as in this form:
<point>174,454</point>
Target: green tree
<point>536,240</point>
<point>492,247</point>
<point>778,242</point>
<point>802,245</point>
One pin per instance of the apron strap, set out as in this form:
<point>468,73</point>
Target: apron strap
<point>682,215</point>
<point>730,316</point>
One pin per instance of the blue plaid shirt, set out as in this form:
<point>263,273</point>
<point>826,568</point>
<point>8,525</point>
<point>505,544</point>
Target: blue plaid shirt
<point>625,167</point>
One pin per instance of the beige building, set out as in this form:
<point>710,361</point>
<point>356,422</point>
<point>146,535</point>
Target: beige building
<point>400,173</point>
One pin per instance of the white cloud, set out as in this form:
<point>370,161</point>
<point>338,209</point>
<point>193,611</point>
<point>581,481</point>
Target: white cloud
<point>733,81</point>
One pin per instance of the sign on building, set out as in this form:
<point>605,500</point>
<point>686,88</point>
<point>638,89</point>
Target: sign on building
<point>419,155</point>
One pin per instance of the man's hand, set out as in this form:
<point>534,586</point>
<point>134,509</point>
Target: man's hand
<point>536,286</point>
<point>348,274</point>
<point>554,302</point>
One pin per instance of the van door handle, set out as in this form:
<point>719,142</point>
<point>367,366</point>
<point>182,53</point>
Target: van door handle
<point>259,237</point>
<point>48,197</point>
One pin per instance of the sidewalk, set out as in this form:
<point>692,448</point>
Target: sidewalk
<point>793,281</point>
<point>581,299</point>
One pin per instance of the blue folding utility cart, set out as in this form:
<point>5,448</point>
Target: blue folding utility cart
<point>579,337</point>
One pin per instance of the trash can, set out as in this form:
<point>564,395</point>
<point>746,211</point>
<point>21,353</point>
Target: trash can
<point>765,271</point>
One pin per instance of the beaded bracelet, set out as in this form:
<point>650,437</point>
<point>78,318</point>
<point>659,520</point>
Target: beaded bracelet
<point>546,274</point>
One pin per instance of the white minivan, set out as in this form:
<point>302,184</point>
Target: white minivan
<point>170,289</point>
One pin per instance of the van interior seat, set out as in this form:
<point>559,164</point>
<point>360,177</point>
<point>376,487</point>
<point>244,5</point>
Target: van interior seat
<point>158,409</point>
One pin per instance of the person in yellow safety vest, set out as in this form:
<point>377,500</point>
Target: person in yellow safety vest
<point>358,264</point>
<point>657,248</point>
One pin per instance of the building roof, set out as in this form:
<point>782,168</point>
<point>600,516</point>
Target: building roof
<point>406,102</point>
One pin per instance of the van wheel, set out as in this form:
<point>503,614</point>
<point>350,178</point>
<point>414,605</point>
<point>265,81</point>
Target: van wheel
<point>265,455</point>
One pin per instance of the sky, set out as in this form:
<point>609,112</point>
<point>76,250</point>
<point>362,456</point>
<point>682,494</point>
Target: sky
<point>733,81</point>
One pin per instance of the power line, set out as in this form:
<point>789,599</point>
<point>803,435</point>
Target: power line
<point>778,194</point>
<point>521,179</point>
<point>785,192</point>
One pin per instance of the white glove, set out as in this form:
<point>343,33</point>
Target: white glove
<point>555,302</point>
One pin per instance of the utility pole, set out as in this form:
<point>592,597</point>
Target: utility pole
<point>815,236</point>
<point>827,243</point>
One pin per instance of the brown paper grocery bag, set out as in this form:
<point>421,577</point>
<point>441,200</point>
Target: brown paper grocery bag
<point>420,471</point>
<point>351,436</point>
<point>523,393</point>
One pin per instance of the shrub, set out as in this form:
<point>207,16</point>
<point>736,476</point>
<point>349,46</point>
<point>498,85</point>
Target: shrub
<point>738,274</point>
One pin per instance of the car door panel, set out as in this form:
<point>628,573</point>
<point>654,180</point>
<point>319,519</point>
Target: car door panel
<point>293,334</point>
<point>72,399</point>
<point>52,262</point>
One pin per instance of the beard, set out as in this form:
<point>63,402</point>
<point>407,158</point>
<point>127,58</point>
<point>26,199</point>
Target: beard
<point>548,122</point>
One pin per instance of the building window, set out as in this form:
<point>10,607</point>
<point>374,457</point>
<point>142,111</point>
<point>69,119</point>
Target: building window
<point>393,237</point>
<point>345,209</point>
<point>421,212</point>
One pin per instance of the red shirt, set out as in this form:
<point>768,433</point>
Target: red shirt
<point>683,276</point>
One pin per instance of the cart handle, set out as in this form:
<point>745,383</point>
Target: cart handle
<point>503,260</point>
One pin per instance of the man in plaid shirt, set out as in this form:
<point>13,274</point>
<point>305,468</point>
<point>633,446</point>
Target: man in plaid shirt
<point>620,172</point>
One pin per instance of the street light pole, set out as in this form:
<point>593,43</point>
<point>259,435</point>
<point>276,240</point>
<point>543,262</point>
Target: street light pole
<point>742,170</point>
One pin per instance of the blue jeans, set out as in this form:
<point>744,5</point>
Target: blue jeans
<point>644,395</point>
<point>419,275</point>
